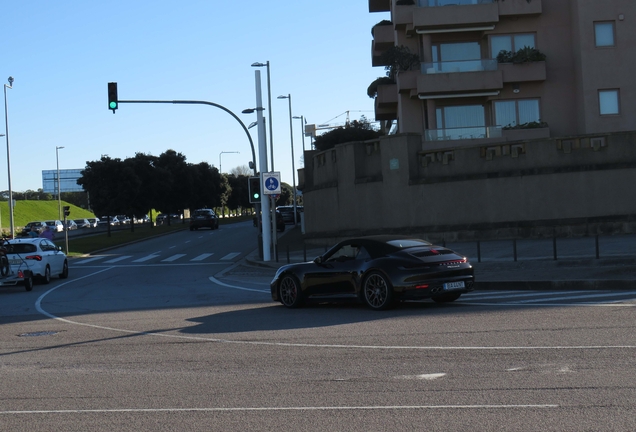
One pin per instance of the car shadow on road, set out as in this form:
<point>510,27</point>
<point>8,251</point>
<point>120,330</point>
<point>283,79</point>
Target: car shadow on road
<point>313,315</point>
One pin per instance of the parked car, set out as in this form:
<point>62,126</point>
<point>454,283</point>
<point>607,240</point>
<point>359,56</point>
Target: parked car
<point>141,220</point>
<point>104,220</point>
<point>40,255</point>
<point>280,223</point>
<point>203,218</point>
<point>55,225</point>
<point>161,219</point>
<point>38,225</point>
<point>288,213</point>
<point>71,225</point>
<point>94,222</point>
<point>379,271</point>
<point>82,223</point>
<point>123,219</point>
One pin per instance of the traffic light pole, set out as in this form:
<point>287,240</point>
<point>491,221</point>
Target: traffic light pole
<point>195,102</point>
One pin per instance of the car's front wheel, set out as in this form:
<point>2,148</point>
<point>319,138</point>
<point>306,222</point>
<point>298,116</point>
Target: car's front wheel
<point>377,291</point>
<point>447,298</point>
<point>289,292</point>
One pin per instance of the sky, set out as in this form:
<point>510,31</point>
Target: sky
<point>63,53</point>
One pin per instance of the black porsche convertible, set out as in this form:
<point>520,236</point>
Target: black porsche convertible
<point>377,270</point>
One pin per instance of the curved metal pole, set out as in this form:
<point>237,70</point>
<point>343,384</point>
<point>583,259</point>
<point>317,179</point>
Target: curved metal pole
<point>190,102</point>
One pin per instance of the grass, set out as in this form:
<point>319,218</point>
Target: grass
<point>26,211</point>
<point>83,245</point>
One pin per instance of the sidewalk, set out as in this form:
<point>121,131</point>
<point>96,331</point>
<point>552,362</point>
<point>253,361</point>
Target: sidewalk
<point>577,266</point>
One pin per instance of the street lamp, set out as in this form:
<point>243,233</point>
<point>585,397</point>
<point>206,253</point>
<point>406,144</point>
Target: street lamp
<point>59,199</point>
<point>302,128</point>
<point>269,107</point>
<point>6,126</point>
<point>220,171</point>
<point>291,137</point>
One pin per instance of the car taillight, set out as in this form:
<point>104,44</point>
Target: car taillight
<point>421,286</point>
<point>34,257</point>
<point>459,261</point>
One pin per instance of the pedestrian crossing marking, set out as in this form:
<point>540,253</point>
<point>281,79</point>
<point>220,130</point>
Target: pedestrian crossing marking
<point>114,260</point>
<point>202,257</point>
<point>91,260</point>
<point>146,258</point>
<point>230,256</point>
<point>173,258</point>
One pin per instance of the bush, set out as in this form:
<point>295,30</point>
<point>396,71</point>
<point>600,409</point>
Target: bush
<point>524,55</point>
<point>372,90</point>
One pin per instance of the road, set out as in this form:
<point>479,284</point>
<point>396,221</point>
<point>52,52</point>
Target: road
<point>178,334</point>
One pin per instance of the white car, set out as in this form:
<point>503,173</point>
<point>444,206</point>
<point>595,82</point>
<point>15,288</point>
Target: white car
<point>55,225</point>
<point>40,255</point>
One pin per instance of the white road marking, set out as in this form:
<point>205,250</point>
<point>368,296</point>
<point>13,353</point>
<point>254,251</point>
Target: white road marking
<point>114,260</point>
<point>479,296</point>
<point>218,282</point>
<point>230,256</point>
<point>38,307</point>
<point>173,258</point>
<point>146,258</point>
<point>430,377</point>
<point>575,297</point>
<point>90,260</point>
<point>202,257</point>
<point>299,408</point>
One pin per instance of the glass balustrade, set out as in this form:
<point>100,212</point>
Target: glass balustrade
<point>435,3</point>
<point>472,132</point>
<point>459,66</point>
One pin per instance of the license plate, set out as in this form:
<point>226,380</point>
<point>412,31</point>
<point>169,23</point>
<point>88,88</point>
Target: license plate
<point>453,285</point>
<point>14,262</point>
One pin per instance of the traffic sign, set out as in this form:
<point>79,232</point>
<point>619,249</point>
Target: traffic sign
<point>272,183</point>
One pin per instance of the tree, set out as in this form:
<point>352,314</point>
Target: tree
<point>178,181</point>
<point>361,130</point>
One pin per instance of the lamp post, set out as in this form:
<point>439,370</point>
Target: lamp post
<point>59,199</point>
<point>6,126</point>
<point>220,170</point>
<point>269,107</point>
<point>302,128</point>
<point>291,137</point>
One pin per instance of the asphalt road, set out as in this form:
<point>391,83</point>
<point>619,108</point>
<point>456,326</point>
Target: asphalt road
<point>178,334</point>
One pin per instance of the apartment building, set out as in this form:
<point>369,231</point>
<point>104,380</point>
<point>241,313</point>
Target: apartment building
<point>508,70</point>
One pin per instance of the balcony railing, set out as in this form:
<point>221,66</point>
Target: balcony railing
<point>435,3</point>
<point>460,66</point>
<point>473,132</point>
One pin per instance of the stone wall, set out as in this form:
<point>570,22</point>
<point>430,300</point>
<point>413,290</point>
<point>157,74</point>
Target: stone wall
<point>566,186</point>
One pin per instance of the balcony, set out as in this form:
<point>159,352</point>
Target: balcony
<point>459,78</point>
<point>526,134</point>
<point>434,16</point>
<point>519,7</point>
<point>379,5</point>
<point>386,102</point>
<point>463,133</point>
<point>523,72</point>
<point>383,39</point>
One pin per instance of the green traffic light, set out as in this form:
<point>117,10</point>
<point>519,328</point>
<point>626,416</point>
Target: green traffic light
<point>113,105</point>
<point>256,196</point>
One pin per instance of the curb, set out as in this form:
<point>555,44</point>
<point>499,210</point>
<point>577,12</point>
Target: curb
<point>556,285</point>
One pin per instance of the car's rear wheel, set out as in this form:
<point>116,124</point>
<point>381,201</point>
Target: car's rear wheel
<point>377,291</point>
<point>28,283</point>
<point>64,273</point>
<point>447,298</point>
<point>289,292</point>
<point>47,275</point>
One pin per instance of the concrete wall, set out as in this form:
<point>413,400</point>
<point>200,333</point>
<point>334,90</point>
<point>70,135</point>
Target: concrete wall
<point>579,186</point>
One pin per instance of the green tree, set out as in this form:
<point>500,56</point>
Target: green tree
<point>361,130</point>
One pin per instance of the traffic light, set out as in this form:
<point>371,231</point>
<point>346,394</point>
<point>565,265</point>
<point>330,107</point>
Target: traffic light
<point>67,210</point>
<point>254,186</point>
<point>113,102</point>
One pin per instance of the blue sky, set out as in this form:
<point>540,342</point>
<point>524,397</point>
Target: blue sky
<point>62,55</point>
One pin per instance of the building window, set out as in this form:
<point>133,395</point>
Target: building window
<point>517,112</point>
<point>510,43</point>
<point>608,102</point>
<point>604,34</point>
<point>461,122</point>
<point>457,57</point>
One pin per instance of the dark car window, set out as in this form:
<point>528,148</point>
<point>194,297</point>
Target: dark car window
<point>20,248</point>
<point>346,252</point>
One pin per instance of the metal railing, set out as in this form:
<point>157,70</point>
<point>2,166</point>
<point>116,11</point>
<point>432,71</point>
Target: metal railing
<point>472,132</point>
<point>477,65</point>
<point>435,3</point>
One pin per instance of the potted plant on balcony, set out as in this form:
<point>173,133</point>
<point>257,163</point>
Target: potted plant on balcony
<point>523,55</point>
<point>381,23</point>
<point>372,90</point>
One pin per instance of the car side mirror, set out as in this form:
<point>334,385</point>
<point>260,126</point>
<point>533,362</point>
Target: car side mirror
<point>58,248</point>
<point>318,260</point>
